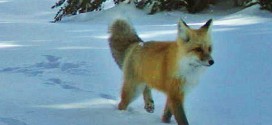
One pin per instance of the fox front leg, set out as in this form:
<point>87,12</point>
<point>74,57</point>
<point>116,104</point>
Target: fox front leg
<point>175,105</point>
<point>149,103</point>
<point>166,118</point>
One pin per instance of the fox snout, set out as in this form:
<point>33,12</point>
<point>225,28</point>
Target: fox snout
<point>208,61</point>
<point>203,59</point>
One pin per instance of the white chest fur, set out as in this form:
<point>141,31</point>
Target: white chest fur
<point>190,71</point>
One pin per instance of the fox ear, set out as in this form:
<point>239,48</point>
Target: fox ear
<point>207,25</point>
<point>183,31</point>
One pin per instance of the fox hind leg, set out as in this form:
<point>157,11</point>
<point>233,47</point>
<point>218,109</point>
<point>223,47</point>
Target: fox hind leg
<point>149,103</point>
<point>130,91</point>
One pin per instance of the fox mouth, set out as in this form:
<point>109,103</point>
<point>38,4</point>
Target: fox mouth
<point>207,65</point>
<point>199,64</point>
<point>195,65</point>
<point>204,64</point>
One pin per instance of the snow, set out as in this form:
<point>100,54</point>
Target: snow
<point>63,73</point>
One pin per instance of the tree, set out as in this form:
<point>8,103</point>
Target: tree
<point>266,4</point>
<point>73,7</point>
<point>193,6</point>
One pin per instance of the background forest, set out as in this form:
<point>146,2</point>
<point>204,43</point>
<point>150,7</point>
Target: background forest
<point>73,7</point>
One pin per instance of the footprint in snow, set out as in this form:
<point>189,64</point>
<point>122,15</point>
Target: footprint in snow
<point>62,84</point>
<point>107,96</point>
<point>11,121</point>
<point>51,63</point>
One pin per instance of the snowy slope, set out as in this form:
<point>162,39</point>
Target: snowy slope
<point>63,73</point>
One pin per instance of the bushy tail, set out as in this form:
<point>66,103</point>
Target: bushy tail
<point>122,36</point>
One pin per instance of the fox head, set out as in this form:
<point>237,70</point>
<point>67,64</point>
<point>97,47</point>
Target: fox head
<point>196,44</point>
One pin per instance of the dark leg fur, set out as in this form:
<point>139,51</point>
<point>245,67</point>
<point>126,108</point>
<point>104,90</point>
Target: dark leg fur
<point>166,118</point>
<point>177,109</point>
<point>149,103</point>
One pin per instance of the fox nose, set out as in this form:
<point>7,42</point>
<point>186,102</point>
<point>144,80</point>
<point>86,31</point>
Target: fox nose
<point>211,62</point>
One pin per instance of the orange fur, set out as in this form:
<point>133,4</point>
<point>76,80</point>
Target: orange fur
<point>168,66</point>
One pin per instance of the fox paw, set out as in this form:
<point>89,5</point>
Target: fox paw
<point>149,107</point>
<point>166,119</point>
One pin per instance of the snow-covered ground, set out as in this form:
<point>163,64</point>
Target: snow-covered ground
<point>63,73</point>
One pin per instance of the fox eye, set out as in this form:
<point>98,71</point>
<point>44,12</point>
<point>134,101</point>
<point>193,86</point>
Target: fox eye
<point>198,49</point>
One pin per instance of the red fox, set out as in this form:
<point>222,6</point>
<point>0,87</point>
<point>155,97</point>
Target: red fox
<point>171,67</point>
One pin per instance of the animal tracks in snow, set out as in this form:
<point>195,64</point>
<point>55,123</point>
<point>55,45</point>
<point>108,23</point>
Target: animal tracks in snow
<point>63,84</point>
<point>53,71</point>
<point>50,64</point>
<point>11,121</point>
